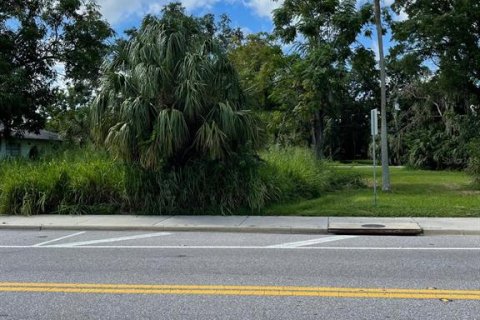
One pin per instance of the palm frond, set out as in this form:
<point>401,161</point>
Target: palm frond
<point>168,91</point>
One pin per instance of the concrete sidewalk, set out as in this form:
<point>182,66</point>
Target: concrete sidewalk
<point>267,224</point>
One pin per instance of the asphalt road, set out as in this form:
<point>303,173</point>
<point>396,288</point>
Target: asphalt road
<point>181,275</point>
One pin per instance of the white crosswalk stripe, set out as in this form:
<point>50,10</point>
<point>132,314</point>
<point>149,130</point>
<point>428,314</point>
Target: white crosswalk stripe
<point>310,242</point>
<point>90,242</point>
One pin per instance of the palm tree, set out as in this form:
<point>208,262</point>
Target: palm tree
<point>170,95</point>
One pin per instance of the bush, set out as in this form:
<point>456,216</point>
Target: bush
<point>67,183</point>
<point>200,187</point>
<point>88,182</point>
<point>244,183</point>
<point>474,162</point>
<point>294,173</point>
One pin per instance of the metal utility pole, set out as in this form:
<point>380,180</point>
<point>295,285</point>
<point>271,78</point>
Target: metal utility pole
<point>374,129</point>
<point>383,111</point>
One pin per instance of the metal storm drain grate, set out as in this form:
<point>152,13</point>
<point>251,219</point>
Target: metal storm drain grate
<point>373,225</point>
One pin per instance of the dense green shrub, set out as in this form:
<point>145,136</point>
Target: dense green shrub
<point>93,183</point>
<point>66,183</point>
<point>434,149</point>
<point>430,144</point>
<point>87,182</point>
<point>294,173</point>
<point>474,162</point>
<point>200,187</point>
<point>246,183</point>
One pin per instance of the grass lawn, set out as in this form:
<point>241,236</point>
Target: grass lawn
<point>415,193</point>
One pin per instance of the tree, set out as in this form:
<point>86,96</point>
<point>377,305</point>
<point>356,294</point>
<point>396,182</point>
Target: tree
<point>435,68</point>
<point>383,105</point>
<point>289,125</point>
<point>69,116</point>
<point>445,35</point>
<point>349,137</point>
<point>258,61</point>
<point>169,95</point>
<point>325,31</point>
<point>36,37</point>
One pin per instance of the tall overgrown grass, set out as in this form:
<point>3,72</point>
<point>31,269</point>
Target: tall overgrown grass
<point>91,182</point>
<point>200,187</point>
<point>294,173</point>
<point>78,182</point>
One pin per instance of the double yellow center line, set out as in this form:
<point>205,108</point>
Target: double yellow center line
<point>330,292</point>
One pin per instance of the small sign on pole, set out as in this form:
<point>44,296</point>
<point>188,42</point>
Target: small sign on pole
<point>374,131</point>
<point>374,122</point>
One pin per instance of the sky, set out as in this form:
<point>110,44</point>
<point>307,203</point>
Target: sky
<point>251,16</point>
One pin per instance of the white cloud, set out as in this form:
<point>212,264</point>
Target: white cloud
<point>156,7</point>
<point>402,16</point>
<point>115,11</point>
<point>197,4</point>
<point>263,8</point>
<point>246,31</point>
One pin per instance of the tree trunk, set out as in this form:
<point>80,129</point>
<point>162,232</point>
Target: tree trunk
<point>317,134</point>
<point>383,111</point>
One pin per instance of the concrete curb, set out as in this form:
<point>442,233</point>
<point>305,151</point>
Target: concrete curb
<point>442,232</point>
<point>246,224</point>
<point>278,230</point>
<point>236,229</point>
<point>383,228</point>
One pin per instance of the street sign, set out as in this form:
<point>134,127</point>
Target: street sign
<point>374,122</point>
